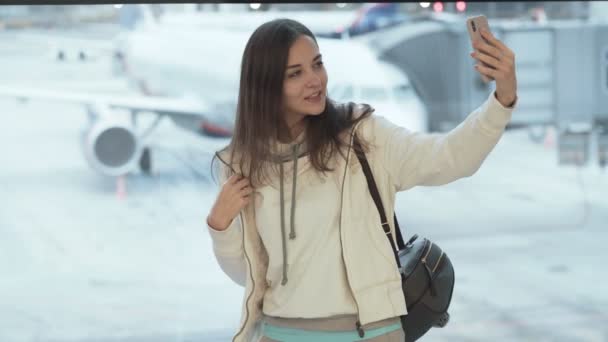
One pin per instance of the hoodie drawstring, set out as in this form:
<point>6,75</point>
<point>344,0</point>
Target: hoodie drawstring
<point>292,233</point>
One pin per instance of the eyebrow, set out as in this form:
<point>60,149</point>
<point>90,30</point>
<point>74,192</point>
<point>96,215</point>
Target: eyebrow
<point>297,65</point>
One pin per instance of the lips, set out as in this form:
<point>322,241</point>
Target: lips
<point>313,96</point>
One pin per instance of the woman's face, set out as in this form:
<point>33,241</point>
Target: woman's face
<point>305,81</point>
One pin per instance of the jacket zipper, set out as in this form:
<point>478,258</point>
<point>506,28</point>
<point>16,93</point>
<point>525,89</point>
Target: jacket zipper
<point>252,282</point>
<point>358,323</point>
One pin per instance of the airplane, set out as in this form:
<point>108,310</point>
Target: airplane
<point>379,83</point>
<point>366,79</point>
<point>328,24</point>
<point>370,17</point>
<point>191,77</point>
<point>317,21</point>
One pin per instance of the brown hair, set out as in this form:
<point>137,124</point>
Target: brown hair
<point>259,115</point>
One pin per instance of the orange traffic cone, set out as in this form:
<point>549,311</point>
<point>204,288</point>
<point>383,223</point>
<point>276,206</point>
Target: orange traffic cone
<point>550,138</point>
<point>121,187</point>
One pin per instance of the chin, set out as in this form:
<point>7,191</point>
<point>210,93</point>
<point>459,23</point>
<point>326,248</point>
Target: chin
<point>316,110</point>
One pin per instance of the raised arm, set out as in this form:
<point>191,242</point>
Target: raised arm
<point>414,158</point>
<point>433,159</point>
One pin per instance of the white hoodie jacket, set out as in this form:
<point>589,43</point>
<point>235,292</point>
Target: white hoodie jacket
<point>399,159</point>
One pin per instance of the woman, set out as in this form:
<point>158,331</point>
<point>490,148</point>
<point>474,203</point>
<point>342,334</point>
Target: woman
<point>326,273</point>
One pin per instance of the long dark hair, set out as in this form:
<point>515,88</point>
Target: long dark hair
<point>259,115</point>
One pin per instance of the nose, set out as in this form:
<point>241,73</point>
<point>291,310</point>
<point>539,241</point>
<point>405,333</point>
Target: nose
<point>314,81</point>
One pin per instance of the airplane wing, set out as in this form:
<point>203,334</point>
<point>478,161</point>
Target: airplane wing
<point>187,112</point>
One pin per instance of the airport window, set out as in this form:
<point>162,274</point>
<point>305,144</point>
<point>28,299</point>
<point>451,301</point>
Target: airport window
<point>605,73</point>
<point>341,92</point>
<point>373,94</point>
<point>112,244</point>
<point>403,92</point>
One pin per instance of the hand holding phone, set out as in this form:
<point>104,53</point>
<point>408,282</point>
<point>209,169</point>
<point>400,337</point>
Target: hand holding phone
<point>496,60</point>
<point>474,26</point>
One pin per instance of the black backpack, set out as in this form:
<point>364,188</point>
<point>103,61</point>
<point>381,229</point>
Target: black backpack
<point>427,274</point>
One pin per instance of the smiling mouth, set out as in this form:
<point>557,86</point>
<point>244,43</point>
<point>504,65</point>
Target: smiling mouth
<point>313,96</point>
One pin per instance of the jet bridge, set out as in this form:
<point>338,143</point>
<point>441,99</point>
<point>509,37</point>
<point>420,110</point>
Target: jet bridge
<point>562,74</point>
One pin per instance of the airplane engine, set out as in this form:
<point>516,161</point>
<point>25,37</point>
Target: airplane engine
<point>112,148</point>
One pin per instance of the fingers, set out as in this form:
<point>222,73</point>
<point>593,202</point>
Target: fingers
<point>490,61</point>
<point>245,200</point>
<point>232,179</point>
<point>246,191</point>
<point>493,47</point>
<point>487,49</point>
<point>504,50</point>
<point>494,54</point>
<point>238,185</point>
<point>489,37</point>
<point>243,182</point>
<point>493,73</point>
<point>237,180</point>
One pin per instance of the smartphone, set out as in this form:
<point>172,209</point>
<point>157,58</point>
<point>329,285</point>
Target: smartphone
<point>474,25</point>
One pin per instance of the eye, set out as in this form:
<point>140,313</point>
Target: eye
<point>319,64</point>
<point>294,74</point>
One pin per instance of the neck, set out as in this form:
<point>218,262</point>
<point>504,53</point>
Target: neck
<point>296,128</point>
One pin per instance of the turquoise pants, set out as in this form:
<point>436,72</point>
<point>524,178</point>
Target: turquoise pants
<point>284,334</point>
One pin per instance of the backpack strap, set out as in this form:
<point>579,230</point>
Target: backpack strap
<point>371,184</point>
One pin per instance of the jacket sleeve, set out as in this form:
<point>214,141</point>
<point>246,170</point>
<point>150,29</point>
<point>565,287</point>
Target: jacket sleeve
<point>414,158</point>
<point>228,246</point>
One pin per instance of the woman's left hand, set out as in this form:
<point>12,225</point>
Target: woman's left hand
<point>502,62</point>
